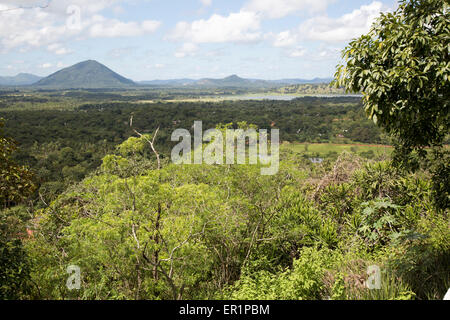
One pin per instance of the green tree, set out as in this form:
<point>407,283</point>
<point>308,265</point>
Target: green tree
<point>15,180</point>
<point>402,68</point>
<point>15,184</point>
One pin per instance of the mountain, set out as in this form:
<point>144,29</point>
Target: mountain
<point>301,81</point>
<point>171,82</point>
<point>22,79</point>
<point>92,74</point>
<point>233,81</point>
<point>86,74</point>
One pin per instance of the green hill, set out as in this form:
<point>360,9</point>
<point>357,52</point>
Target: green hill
<point>86,74</point>
<point>232,81</point>
<point>19,80</point>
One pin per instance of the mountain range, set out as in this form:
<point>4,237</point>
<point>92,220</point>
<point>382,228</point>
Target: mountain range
<point>232,81</point>
<point>22,79</point>
<point>92,74</point>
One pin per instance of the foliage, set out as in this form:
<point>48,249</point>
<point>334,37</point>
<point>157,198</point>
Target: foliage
<point>303,282</point>
<point>219,231</point>
<point>402,67</point>
<point>15,186</point>
<point>15,180</point>
<point>15,264</point>
<point>379,222</point>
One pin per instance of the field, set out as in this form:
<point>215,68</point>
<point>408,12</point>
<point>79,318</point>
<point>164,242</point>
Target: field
<point>322,149</point>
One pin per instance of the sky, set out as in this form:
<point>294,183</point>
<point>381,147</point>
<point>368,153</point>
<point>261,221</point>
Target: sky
<point>172,39</point>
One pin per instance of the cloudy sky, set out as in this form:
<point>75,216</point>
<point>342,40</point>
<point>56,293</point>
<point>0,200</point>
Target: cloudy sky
<point>167,39</point>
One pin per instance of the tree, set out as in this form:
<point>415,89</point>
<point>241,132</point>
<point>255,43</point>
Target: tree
<point>15,184</point>
<point>402,68</point>
<point>15,180</point>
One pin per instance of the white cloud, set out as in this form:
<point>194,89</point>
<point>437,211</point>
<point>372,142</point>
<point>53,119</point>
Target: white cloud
<point>188,49</point>
<point>118,10</point>
<point>297,52</point>
<point>112,28</point>
<point>59,7</point>
<point>280,8</point>
<point>206,2</point>
<point>88,7</point>
<point>45,65</point>
<point>27,28</point>
<point>58,49</point>
<point>121,52</point>
<point>344,28</point>
<point>236,27</point>
<point>285,39</point>
<point>156,66</point>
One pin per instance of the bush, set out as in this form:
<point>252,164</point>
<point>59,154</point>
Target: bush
<point>303,281</point>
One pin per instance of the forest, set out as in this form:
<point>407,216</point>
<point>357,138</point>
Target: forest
<point>97,200</point>
<point>63,146</point>
<point>93,208</point>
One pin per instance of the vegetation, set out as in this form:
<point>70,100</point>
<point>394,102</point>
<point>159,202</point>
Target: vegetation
<point>63,146</point>
<point>15,187</point>
<point>402,68</point>
<point>93,186</point>
<point>306,89</point>
<point>202,232</point>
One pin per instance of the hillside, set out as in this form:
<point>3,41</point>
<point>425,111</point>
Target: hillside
<point>22,79</point>
<point>86,74</point>
<point>233,81</point>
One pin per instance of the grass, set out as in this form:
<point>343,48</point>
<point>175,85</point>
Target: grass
<point>324,148</point>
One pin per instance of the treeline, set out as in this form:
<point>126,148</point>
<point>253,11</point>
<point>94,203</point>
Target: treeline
<point>322,88</point>
<point>302,120</point>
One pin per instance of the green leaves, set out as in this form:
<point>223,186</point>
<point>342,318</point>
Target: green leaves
<point>404,58</point>
<point>15,180</point>
<point>402,67</point>
<point>379,222</point>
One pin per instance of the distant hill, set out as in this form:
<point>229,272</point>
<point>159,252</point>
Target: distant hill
<point>172,82</point>
<point>233,81</point>
<point>86,74</point>
<point>302,81</point>
<point>22,79</point>
<point>91,74</point>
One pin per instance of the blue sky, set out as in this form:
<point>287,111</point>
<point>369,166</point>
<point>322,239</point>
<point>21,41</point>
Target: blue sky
<point>167,39</point>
